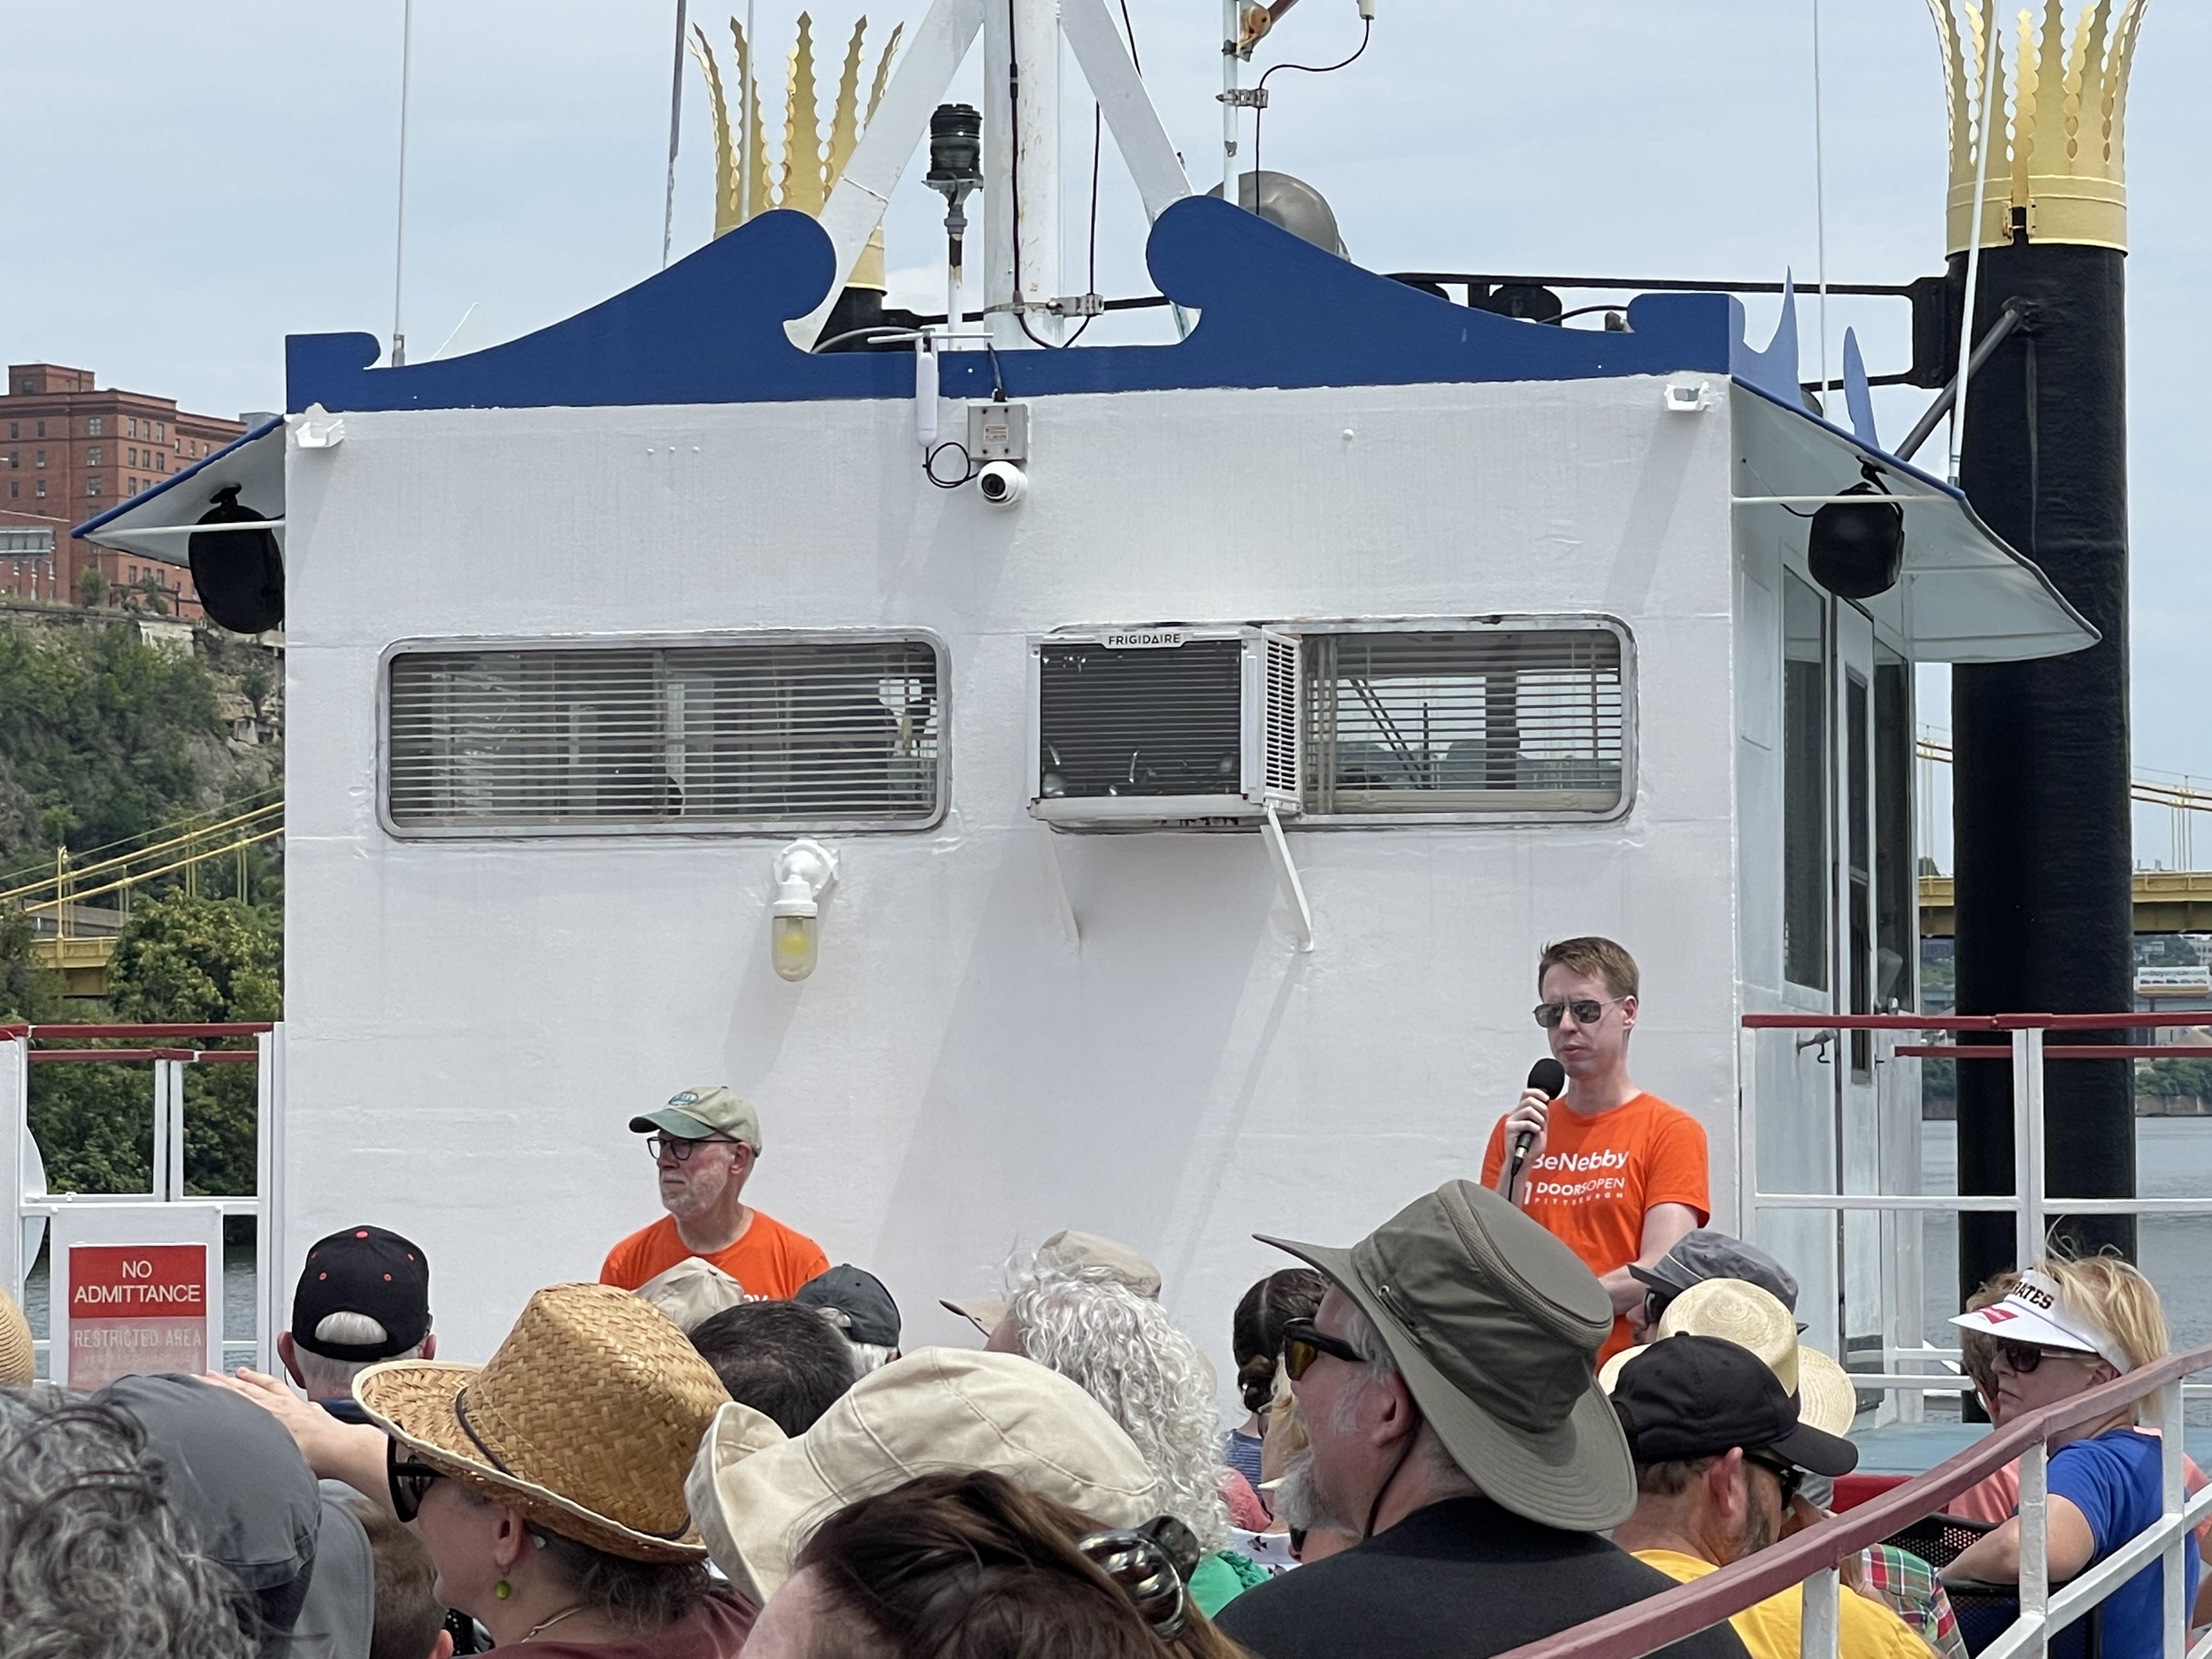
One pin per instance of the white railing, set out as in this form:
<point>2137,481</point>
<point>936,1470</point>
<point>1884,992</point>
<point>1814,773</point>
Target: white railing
<point>1811,1558</point>
<point>19,1245</point>
<point>2028,1049</point>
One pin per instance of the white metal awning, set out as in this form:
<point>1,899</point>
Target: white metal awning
<point>157,522</point>
<point>1965,595</point>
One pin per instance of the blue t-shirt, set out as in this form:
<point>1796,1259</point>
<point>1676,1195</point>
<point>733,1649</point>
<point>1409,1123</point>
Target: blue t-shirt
<point>2114,1481</point>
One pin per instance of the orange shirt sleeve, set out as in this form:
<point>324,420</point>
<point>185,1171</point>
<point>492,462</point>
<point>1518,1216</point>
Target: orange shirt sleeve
<point>1677,1171</point>
<point>1493,1156</point>
<point>616,1268</point>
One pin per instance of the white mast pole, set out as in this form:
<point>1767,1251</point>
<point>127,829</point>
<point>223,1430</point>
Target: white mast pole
<point>1021,168</point>
<point>1232,26</point>
<point>399,232</point>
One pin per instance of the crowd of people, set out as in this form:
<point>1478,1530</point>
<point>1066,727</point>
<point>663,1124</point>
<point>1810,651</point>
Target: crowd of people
<point>1513,1407</point>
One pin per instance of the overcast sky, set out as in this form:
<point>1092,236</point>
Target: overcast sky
<point>188,184</point>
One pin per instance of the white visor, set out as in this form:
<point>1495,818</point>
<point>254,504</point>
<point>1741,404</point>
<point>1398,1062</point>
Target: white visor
<point>2036,1312</point>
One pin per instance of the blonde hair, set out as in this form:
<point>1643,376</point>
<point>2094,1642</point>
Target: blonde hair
<point>1594,955</point>
<point>2115,1297</point>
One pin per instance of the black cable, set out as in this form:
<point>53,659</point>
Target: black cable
<point>1129,29</point>
<point>929,464</point>
<point>1090,282</point>
<point>1259,107</point>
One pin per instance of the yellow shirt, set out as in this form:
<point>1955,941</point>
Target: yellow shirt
<point>1770,1629</point>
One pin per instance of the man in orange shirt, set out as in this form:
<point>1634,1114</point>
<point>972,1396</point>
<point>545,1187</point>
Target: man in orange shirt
<point>1618,1175</point>
<point>705,1142</point>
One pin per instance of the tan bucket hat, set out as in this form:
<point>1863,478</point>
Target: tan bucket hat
<point>1750,1316</point>
<point>584,1420</point>
<point>1495,1326</point>
<point>18,1364</point>
<point>1070,1251</point>
<point>692,1292</point>
<point>758,1498</point>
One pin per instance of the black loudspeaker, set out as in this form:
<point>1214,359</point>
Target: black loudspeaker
<point>239,573</point>
<point>1854,551</point>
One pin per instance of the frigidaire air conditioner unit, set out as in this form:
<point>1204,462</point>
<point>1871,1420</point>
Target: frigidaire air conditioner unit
<point>1164,727</point>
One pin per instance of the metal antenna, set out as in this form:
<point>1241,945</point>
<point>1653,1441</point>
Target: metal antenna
<point>675,135</point>
<point>1974,250</point>
<point>1820,209</point>
<point>745,203</point>
<point>399,232</point>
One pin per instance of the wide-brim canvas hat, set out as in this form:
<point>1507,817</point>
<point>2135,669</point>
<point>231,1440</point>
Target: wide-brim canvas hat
<point>691,1292</point>
<point>759,1498</point>
<point>1070,1250</point>
<point>1739,1311</point>
<point>586,1420</point>
<point>1495,1326</point>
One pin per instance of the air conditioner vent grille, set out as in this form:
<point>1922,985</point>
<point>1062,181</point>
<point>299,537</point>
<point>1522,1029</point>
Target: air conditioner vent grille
<point>1142,722</point>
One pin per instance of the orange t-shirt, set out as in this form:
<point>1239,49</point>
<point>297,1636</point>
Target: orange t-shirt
<point>769,1259</point>
<point>1600,1176</point>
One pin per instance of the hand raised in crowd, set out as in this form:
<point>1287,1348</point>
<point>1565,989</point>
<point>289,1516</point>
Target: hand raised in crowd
<point>351,1452</point>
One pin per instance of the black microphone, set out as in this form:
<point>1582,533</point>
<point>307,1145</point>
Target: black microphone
<point>1548,1075</point>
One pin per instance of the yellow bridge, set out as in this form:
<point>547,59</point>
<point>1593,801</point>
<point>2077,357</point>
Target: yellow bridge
<point>76,938</point>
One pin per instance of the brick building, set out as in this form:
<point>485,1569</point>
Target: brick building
<point>71,450</point>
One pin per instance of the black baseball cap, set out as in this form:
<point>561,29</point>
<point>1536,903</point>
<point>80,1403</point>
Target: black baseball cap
<point>869,1314</point>
<point>364,1270</point>
<point>1697,1396</point>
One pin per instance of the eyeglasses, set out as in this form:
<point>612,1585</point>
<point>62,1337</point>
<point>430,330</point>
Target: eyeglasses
<point>1588,1011</point>
<point>1302,1345</point>
<point>680,1149</point>
<point>409,1480</point>
<point>1789,1474</point>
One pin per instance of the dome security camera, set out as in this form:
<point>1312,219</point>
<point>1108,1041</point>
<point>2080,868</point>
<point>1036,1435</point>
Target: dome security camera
<point>1003,483</point>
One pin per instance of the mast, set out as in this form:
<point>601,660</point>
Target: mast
<point>1021,200</point>
<point>2042,826</point>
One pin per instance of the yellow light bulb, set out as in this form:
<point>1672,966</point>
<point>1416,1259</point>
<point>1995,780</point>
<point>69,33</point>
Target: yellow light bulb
<point>793,946</point>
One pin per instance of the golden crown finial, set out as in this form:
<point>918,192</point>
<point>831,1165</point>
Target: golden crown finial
<point>2060,156</point>
<point>809,169</point>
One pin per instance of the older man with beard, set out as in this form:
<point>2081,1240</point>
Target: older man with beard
<point>705,1142</point>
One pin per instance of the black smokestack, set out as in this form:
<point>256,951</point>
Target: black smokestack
<point>2042,824</point>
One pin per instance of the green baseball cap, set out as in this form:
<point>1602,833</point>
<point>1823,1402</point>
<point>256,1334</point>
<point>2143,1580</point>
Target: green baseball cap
<point>700,1114</point>
<point>1495,1326</point>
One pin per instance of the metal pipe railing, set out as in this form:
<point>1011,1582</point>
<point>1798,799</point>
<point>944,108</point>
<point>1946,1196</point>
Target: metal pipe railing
<point>1644,1627</point>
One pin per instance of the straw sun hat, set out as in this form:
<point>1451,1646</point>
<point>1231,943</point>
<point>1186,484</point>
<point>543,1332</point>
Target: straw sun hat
<point>1749,1317</point>
<point>585,1421</point>
<point>16,1365</point>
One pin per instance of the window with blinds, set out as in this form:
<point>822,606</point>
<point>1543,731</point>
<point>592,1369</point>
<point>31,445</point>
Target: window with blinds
<point>768,735</point>
<point>1522,721</point>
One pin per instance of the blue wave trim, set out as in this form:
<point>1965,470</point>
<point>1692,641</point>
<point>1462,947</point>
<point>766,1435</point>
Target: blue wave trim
<point>1276,312</point>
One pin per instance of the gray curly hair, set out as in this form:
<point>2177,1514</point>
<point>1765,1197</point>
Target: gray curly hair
<point>91,1562</point>
<point>1122,1349</point>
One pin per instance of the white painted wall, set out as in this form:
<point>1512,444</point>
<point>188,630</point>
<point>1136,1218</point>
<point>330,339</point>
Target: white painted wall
<point>471,1024</point>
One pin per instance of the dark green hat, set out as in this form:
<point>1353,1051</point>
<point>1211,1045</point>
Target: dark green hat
<point>1495,1326</point>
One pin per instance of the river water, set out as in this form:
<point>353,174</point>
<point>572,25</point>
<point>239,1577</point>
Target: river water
<point>2173,1159</point>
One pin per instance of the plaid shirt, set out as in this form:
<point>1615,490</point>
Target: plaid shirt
<point>1908,1585</point>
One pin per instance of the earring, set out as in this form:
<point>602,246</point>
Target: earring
<point>502,1590</point>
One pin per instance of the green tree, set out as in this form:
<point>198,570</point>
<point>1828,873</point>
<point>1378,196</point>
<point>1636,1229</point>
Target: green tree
<point>180,958</point>
<point>29,990</point>
<point>184,957</point>
<point>92,587</point>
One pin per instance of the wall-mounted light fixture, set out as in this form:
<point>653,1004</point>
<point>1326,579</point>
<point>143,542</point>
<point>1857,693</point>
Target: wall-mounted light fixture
<point>804,870</point>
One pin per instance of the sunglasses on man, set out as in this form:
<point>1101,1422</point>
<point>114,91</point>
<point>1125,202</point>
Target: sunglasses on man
<point>1588,1011</point>
<point>680,1149</point>
<point>1789,1474</point>
<point>1302,1345</point>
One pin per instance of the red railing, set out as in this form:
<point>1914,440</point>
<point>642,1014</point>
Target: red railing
<point>1643,1628</point>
